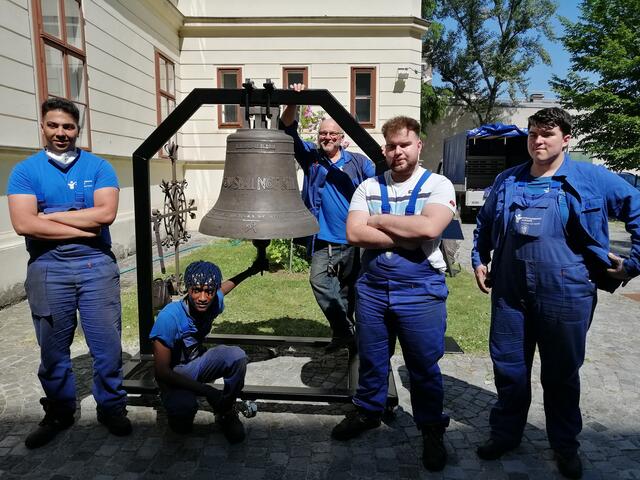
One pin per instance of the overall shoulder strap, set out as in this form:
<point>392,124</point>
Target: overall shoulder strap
<point>411,206</point>
<point>384,195</point>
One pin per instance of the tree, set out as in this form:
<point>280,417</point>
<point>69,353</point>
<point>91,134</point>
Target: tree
<point>490,49</point>
<point>433,103</point>
<point>604,84</point>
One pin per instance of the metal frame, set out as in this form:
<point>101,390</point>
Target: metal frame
<point>142,209</point>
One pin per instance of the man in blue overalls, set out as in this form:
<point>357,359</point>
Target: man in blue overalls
<point>398,218</point>
<point>63,200</point>
<point>331,175</point>
<point>546,222</point>
<point>184,367</point>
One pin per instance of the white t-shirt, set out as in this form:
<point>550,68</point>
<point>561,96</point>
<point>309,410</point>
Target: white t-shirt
<point>437,189</point>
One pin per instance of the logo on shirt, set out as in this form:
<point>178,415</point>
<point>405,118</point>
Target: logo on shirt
<point>452,203</point>
<point>72,184</point>
<point>88,183</point>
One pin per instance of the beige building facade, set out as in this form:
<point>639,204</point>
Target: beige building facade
<point>126,64</point>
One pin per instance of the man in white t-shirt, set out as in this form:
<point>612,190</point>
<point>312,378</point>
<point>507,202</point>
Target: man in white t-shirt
<point>397,218</point>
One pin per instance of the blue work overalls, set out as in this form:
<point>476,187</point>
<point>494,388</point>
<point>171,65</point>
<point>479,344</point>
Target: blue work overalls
<point>191,359</point>
<point>542,296</point>
<point>399,294</point>
<point>62,278</point>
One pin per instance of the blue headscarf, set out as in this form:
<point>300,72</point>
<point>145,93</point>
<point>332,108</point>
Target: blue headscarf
<point>203,274</point>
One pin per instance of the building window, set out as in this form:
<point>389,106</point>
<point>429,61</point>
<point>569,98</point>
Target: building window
<point>165,90</point>
<point>291,75</point>
<point>62,57</point>
<point>229,115</point>
<point>363,95</point>
<point>165,86</point>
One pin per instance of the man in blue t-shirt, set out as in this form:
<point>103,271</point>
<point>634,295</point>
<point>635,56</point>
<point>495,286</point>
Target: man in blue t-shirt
<point>62,200</point>
<point>331,175</point>
<point>184,367</point>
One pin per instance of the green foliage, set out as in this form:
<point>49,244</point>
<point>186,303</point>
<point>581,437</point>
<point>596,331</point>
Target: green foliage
<point>309,122</point>
<point>280,253</point>
<point>604,84</point>
<point>489,52</point>
<point>433,102</point>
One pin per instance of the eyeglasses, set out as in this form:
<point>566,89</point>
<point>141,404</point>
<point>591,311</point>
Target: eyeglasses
<point>324,133</point>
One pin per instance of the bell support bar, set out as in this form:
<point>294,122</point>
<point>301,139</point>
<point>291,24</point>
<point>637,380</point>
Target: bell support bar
<point>178,117</point>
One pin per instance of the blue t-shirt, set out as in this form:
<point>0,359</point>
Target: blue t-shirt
<point>542,185</point>
<point>335,197</point>
<point>181,333</point>
<point>328,187</point>
<point>60,189</point>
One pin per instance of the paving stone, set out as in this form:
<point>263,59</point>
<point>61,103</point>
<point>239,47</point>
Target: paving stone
<point>292,440</point>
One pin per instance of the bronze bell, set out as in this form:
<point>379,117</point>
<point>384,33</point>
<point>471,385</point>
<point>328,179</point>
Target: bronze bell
<point>260,198</point>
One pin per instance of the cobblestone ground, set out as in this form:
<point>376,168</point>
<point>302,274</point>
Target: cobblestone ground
<point>292,441</point>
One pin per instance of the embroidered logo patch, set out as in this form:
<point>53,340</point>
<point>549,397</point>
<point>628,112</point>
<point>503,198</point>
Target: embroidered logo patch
<point>72,184</point>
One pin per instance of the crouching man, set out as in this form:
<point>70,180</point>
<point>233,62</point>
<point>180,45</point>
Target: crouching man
<point>184,367</point>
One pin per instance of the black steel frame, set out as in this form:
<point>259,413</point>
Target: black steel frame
<point>246,97</point>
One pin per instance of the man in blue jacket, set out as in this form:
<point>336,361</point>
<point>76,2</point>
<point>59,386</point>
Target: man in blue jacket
<point>63,199</point>
<point>546,223</point>
<point>331,175</point>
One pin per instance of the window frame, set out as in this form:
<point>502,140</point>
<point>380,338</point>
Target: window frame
<point>44,39</point>
<point>287,70</point>
<point>162,93</point>
<point>372,97</point>
<point>220,71</point>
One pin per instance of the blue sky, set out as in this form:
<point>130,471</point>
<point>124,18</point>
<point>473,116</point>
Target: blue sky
<point>540,75</point>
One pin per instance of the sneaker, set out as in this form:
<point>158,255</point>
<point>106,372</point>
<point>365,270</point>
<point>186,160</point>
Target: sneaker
<point>355,423</point>
<point>117,424</point>
<point>53,423</point>
<point>231,426</point>
<point>338,343</point>
<point>493,449</point>
<point>434,453</point>
<point>180,423</point>
<point>570,466</point>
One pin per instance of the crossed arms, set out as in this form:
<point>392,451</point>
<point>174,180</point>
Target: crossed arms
<point>389,231</point>
<point>84,223</point>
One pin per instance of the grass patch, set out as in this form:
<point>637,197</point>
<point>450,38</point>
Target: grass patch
<point>281,303</point>
<point>468,313</point>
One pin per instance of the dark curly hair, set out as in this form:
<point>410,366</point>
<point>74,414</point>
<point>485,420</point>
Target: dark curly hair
<point>55,103</point>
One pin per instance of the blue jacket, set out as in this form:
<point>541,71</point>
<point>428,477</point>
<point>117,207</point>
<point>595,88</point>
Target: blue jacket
<point>593,194</point>
<point>327,189</point>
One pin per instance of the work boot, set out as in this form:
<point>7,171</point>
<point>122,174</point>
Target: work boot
<point>337,343</point>
<point>55,420</point>
<point>569,465</point>
<point>493,449</point>
<point>434,454</point>
<point>231,426</point>
<point>180,423</point>
<point>116,422</point>
<point>355,423</point>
